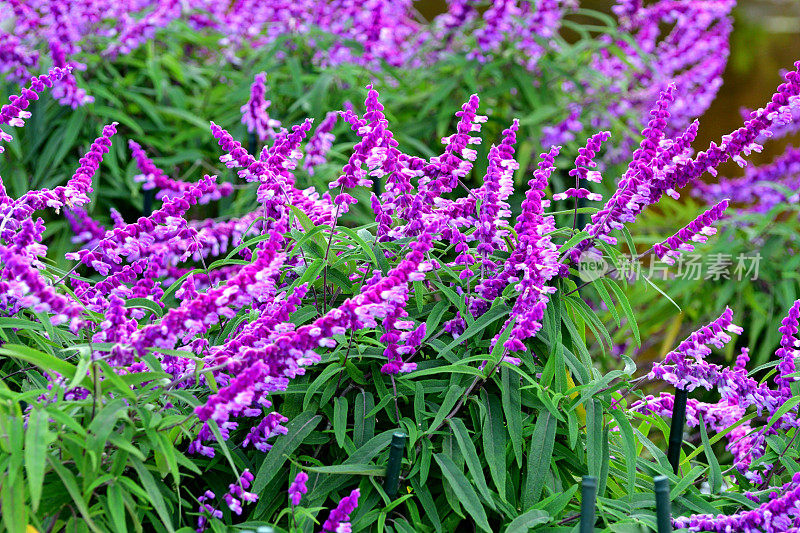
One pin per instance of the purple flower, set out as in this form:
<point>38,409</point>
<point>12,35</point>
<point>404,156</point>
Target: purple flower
<point>14,113</point>
<point>339,518</point>
<point>237,493</point>
<point>685,367</point>
<point>642,186</point>
<point>206,511</point>
<point>697,231</point>
<point>777,514</point>
<point>153,177</point>
<point>757,190</point>
<point>533,263</point>
<point>320,143</point>
<point>583,163</point>
<point>254,112</point>
<point>497,187</point>
<point>298,488</point>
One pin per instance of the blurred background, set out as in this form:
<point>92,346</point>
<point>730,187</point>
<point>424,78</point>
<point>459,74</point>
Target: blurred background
<point>765,41</point>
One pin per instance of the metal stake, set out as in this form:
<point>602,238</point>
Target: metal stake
<point>588,497</point>
<point>392,480</point>
<point>676,428</point>
<point>147,203</point>
<point>663,511</point>
<point>251,144</point>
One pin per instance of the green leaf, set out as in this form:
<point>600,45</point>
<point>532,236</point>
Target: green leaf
<point>539,456</point>
<point>350,469</point>
<point>629,447</point>
<point>626,307</point>
<point>423,494</point>
<point>685,481</point>
<point>471,456</point>
<point>575,239</point>
<point>72,488</point>
<point>594,437</point>
<point>153,493</point>
<point>435,318</point>
<point>462,488</point>
<point>715,478</point>
<point>340,420</point>
<point>297,430</point>
<point>787,406</point>
<point>601,290</point>
<point>494,443</point>
<point>103,424</point>
<point>362,243</point>
<point>116,507</point>
<point>528,520</point>
<point>14,511</point>
<point>457,368</point>
<point>512,406</point>
<point>42,360</point>
<point>450,399</point>
<point>37,439</point>
<point>363,426</point>
<point>144,303</point>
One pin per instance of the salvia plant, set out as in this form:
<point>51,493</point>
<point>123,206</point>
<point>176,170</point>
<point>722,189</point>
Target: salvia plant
<point>175,372</point>
<point>174,65</point>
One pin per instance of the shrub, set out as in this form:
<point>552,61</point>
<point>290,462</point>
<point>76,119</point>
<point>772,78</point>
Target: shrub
<point>143,386</point>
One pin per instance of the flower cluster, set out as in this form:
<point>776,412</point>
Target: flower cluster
<point>697,230</point>
<point>339,519</point>
<point>14,113</point>
<point>762,187</point>
<point>254,112</point>
<point>298,488</point>
<point>686,367</point>
<point>583,163</point>
<point>232,323</point>
<point>779,513</point>
<point>153,177</point>
<point>659,167</point>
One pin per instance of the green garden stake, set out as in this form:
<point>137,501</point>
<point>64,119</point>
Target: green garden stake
<point>251,144</point>
<point>588,496</point>
<point>676,428</point>
<point>392,481</point>
<point>147,203</point>
<point>663,511</point>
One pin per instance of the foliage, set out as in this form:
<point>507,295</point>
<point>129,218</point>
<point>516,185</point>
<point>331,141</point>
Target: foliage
<point>185,369</point>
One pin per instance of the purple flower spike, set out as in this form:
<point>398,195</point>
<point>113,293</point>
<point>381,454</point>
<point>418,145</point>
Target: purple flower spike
<point>206,511</point>
<point>14,113</point>
<point>697,231</point>
<point>339,519</point>
<point>298,488</point>
<point>534,262</point>
<point>778,514</point>
<point>153,177</point>
<point>237,493</point>
<point>685,366</point>
<point>320,143</point>
<point>254,112</point>
<point>583,163</point>
<point>788,350</point>
<point>497,187</point>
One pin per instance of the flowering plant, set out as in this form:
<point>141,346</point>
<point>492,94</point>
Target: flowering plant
<point>173,65</point>
<point>210,351</point>
<point>179,370</point>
